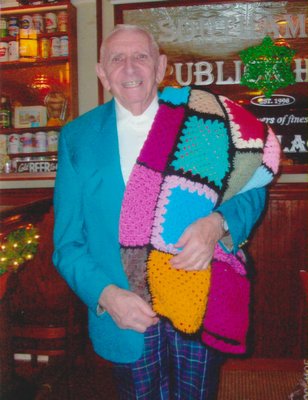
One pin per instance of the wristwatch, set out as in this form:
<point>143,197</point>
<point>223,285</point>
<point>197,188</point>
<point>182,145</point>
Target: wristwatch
<point>100,310</point>
<point>224,223</point>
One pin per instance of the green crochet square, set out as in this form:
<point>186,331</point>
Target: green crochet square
<point>202,149</point>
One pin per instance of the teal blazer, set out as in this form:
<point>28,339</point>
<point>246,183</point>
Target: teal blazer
<point>88,194</point>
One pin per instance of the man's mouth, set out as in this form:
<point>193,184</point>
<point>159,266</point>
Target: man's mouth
<point>132,84</point>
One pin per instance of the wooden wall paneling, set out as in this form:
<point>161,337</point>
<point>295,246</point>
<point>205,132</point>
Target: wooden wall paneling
<point>40,290</point>
<point>16,197</point>
<point>41,313</point>
<point>279,251</point>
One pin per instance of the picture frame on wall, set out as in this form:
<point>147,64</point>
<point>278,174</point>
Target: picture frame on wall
<point>204,40</point>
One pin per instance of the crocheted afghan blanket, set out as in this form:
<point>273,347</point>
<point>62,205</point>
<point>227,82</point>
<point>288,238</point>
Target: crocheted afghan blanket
<point>202,149</point>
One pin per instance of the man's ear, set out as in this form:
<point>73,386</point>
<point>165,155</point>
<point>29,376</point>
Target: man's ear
<point>161,68</point>
<point>100,72</point>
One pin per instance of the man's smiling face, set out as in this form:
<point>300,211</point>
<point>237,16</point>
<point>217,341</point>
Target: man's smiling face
<point>131,69</point>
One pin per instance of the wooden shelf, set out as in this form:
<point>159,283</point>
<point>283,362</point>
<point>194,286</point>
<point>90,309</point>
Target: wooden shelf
<point>35,8</point>
<point>38,36</point>
<point>34,154</point>
<point>27,176</point>
<point>33,62</point>
<point>8,131</point>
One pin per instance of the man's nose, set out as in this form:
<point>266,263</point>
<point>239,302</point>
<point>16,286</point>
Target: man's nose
<point>130,63</point>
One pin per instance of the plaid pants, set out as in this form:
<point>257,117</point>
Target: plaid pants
<point>173,366</point>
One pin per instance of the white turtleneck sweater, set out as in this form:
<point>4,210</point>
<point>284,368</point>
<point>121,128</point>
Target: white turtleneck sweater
<point>132,132</point>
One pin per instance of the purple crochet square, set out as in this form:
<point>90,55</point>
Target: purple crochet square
<point>226,319</point>
<point>158,146</point>
<point>138,206</point>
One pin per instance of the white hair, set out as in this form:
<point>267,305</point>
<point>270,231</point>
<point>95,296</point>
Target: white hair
<point>127,27</point>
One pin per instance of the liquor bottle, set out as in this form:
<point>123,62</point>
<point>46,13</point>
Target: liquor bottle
<point>5,112</point>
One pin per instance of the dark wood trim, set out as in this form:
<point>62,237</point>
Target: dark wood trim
<point>17,197</point>
<point>294,169</point>
<point>99,30</point>
<point>15,217</point>
<point>118,9</point>
<point>41,205</point>
<point>289,191</point>
<point>14,176</point>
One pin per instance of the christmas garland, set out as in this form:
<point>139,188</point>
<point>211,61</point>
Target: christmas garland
<point>18,247</point>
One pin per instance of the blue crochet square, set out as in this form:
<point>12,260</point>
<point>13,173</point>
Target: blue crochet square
<point>183,209</point>
<point>176,96</point>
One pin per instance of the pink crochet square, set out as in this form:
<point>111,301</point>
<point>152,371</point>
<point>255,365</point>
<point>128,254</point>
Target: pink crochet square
<point>138,206</point>
<point>157,148</point>
<point>271,155</point>
<point>226,318</point>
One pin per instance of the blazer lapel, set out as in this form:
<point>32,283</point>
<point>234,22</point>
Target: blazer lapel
<point>108,149</point>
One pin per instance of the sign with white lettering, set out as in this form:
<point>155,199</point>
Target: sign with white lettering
<point>36,166</point>
<point>203,42</point>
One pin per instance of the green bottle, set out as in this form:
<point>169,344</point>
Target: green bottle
<point>5,112</point>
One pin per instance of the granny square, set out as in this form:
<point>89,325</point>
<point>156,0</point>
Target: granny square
<point>246,130</point>
<point>203,149</point>
<point>180,203</point>
<point>271,152</point>
<point>175,293</point>
<point>157,148</point>
<point>138,206</point>
<point>244,166</point>
<point>134,261</point>
<point>176,97</point>
<point>205,102</point>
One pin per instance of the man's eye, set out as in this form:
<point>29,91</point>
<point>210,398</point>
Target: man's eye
<point>141,56</point>
<point>117,59</point>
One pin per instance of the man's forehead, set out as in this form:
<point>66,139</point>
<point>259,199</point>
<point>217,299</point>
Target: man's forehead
<point>118,50</point>
<point>135,38</point>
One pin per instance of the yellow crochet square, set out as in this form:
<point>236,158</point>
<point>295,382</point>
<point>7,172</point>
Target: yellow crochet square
<point>179,295</point>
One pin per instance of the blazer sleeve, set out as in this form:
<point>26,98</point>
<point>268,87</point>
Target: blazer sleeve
<point>70,256</point>
<point>242,213</point>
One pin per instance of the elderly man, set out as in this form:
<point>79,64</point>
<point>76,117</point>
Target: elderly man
<point>104,224</point>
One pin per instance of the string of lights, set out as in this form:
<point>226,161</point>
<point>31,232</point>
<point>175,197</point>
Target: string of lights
<point>18,247</point>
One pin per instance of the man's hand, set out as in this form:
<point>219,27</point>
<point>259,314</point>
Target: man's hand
<point>198,243</point>
<point>128,310</point>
